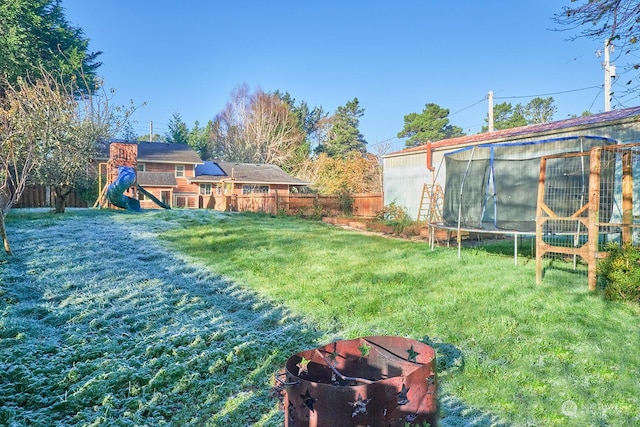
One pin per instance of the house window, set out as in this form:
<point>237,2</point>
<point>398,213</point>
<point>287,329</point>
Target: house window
<point>255,189</point>
<point>224,188</point>
<point>205,189</point>
<point>179,171</point>
<point>141,196</point>
<point>140,167</point>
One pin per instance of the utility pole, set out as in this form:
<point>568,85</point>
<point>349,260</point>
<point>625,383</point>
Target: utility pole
<point>490,119</point>
<point>609,73</point>
<point>151,131</point>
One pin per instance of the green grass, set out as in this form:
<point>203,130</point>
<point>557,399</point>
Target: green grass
<point>547,355</point>
<point>103,324</point>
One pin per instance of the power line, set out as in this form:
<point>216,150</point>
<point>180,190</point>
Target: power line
<point>595,98</point>
<point>470,106</point>
<point>548,94</point>
<point>483,99</point>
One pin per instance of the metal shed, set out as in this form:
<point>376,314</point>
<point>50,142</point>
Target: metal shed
<point>407,172</point>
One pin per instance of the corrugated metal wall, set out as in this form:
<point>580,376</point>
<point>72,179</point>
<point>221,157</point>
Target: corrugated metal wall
<point>403,178</point>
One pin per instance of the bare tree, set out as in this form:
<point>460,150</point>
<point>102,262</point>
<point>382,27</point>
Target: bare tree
<point>31,116</point>
<point>273,129</point>
<point>228,133</point>
<point>613,20</point>
<point>48,135</point>
<point>257,128</point>
<point>380,149</point>
<point>84,121</point>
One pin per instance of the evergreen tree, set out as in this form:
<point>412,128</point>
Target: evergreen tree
<point>199,140</point>
<point>178,132</point>
<point>430,125</point>
<point>539,110</point>
<point>344,136</point>
<point>507,116</point>
<point>35,37</point>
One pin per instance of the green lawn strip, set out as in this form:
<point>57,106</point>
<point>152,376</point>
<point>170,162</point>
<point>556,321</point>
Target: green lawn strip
<point>548,355</point>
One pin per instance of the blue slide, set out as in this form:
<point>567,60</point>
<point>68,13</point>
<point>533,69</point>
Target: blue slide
<point>115,192</point>
<point>127,178</point>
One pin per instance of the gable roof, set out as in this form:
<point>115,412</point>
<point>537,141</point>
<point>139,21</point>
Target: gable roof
<point>156,152</point>
<point>161,152</point>
<point>248,173</point>
<point>594,120</point>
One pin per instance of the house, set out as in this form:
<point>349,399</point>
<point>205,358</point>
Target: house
<point>407,173</point>
<point>162,170</point>
<point>175,175</point>
<point>223,185</point>
<point>165,170</point>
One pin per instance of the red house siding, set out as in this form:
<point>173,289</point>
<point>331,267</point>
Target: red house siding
<point>183,195</point>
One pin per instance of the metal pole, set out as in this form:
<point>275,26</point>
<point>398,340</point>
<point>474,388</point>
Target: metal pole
<point>609,72</point>
<point>490,117</point>
<point>464,178</point>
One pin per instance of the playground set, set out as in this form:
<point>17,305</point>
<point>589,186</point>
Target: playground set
<point>121,185</point>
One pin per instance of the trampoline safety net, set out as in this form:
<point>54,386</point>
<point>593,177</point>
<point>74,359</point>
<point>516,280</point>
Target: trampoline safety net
<point>495,186</point>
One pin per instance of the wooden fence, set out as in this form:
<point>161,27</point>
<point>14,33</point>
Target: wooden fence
<point>363,205</point>
<point>39,196</point>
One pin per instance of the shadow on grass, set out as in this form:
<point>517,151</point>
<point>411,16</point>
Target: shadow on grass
<point>453,412</point>
<point>505,246</point>
<point>107,327</point>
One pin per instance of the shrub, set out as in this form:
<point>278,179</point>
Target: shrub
<point>346,201</point>
<point>393,212</point>
<point>620,272</point>
<point>396,216</point>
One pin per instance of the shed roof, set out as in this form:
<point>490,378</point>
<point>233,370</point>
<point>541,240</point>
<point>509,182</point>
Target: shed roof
<point>594,120</point>
<point>244,173</point>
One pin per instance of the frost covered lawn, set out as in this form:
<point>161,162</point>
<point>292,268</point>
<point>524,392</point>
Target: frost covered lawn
<point>183,317</point>
<point>99,325</point>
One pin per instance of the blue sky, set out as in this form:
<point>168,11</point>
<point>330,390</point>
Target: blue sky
<point>394,56</point>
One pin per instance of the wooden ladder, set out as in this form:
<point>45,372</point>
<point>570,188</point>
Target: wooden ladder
<point>431,203</point>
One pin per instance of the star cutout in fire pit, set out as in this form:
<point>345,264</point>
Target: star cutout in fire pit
<point>302,366</point>
<point>308,400</point>
<point>402,395</point>
<point>359,406</point>
<point>412,355</point>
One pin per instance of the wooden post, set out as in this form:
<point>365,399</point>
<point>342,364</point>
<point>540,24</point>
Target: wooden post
<point>540,220</point>
<point>627,197</point>
<point>594,214</point>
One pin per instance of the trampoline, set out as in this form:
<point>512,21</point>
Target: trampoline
<point>493,188</point>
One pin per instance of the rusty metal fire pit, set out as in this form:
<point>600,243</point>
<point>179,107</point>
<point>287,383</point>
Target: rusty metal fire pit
<point>370,381</point>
